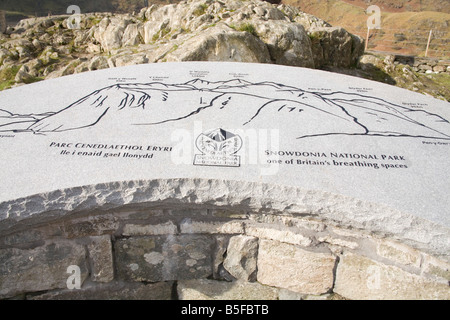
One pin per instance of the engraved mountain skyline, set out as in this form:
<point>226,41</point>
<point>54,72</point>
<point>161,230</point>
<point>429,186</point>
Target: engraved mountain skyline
<point>234,103</point>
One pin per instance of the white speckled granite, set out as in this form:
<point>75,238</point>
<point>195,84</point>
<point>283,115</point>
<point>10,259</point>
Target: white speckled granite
<point>345,149</point>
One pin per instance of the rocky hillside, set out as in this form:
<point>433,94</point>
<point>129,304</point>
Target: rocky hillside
<point>250,31</point>
<point>194,30</point>
<point>402,31</point>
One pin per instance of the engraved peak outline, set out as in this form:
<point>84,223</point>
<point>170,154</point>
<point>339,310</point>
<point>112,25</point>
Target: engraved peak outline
<point>312,113</point>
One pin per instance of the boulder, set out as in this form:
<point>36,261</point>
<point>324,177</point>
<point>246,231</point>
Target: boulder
<point>23,74</point>
<point>33,67</point>
<point>37,44</point>
<point>332,46</point>
<point>152,30</point>
<point>130,59</point>
<point>65,70</point>
<point>240,261</point>
<point>132,35</point>
<point>98,62</point>
<point>369,62</point>
<point>3,55</point>
<point>309,21</point>
<point>81,37</point>
<point>288,43</point>
<point>11,44</point>
<point>389,59</point>
<point>109,32</point>
<point>439,68</point>
<point>222,43</point>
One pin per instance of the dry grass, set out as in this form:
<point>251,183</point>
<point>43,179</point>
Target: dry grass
<point>402,32</point>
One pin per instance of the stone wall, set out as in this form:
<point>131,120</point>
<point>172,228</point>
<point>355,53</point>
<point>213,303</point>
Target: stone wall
<point>425,65</point>
<point>167,251</point>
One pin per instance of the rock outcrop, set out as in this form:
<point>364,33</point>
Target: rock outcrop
<point>194,30</point>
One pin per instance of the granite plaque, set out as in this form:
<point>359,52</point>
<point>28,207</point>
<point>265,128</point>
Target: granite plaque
<point>244,122</point>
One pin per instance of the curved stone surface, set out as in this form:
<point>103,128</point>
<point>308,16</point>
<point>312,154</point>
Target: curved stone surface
<point>259,137</point>
<point>257,197</point>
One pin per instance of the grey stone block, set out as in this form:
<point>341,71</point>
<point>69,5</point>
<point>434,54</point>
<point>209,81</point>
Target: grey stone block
<point>241,257</point>
<point>163,258</point>
<point>204,289</point>
<point>42,268</point>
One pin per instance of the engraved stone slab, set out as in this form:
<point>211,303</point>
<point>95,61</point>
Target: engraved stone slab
<point>343,147</point>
